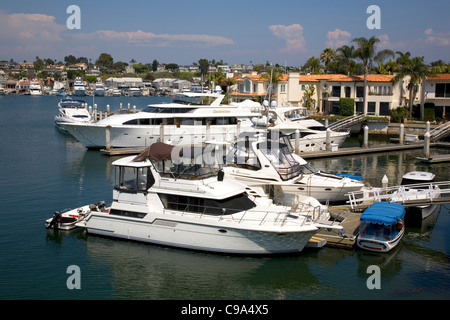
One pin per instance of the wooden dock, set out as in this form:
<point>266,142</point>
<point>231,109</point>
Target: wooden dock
<point>438,158</point>
<point>345,238</point>
<point>360,150</point>
<point>122,151</point>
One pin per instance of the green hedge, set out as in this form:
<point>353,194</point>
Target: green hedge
<point>346,106</point>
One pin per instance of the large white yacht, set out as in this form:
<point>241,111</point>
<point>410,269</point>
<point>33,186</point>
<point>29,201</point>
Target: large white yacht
<point>35,88</point>
<point>72,111</point>
<point>99,89</point>
<point>183,122</point>
<point>265,162</point>
<point>79,89</point>
<point>177,196</point>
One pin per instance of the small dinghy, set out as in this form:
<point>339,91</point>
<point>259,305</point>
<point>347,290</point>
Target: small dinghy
<point>382,226</point>
<point>68,220</point>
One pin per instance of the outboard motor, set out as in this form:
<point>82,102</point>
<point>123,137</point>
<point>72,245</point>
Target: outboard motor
<point>56,220</point>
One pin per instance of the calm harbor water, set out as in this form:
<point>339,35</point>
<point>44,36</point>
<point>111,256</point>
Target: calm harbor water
<point>43,170</point>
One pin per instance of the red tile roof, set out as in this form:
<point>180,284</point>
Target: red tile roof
<point>442,76</point>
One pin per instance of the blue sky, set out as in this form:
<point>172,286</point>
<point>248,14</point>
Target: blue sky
<point>240,31</point>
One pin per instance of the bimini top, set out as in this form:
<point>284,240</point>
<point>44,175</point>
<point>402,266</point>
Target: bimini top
<point>387,213</point>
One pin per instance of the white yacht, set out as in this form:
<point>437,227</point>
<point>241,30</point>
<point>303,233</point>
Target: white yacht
<point>79,89</point>
<point>183,122</point>
<point>72,111</point>
<point>175,196</point>
<point>265,162</point>
<point>58,89</point>
<point>99,89</point>
<point>134,91</point>
<point>35,88</point>
<point>180,121</point>
<point>288,119</point>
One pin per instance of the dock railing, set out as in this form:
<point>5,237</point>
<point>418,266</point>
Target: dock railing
<point>408,195</point>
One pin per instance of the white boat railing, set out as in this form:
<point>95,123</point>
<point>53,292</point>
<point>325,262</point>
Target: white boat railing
<point>417,194</point>
<point>245,216</point>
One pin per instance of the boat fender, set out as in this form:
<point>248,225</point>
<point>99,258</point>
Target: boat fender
<point>220,175</point>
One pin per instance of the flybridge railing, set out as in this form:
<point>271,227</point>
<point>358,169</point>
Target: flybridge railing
<point>412,194</point>
<point>258,217</point>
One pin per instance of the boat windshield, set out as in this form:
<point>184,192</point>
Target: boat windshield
<point>297,114</point>
<point>281,158</point>
<point>133,180</point>
<point>194,163</point>
<point>380,231</point>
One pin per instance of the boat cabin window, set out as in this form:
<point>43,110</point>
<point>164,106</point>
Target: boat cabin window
<point>230,205</point>
<point>155,121</point>
<point>281,158</point>
<point>167,110</point>
<point>133,180</point>
<point>243,156</point>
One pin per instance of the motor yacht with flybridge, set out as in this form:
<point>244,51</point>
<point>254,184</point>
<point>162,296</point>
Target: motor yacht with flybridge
<point>265,161</point>
<point>181,121</point>
<point>178,196</point>
<point>72,111</point>
<point>200,120</point>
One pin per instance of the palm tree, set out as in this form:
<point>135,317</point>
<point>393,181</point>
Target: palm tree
<point>327,56</point>
<point>417,70</point>
<point>366,53</point>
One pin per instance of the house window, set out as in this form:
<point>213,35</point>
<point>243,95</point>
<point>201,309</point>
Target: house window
<point>442,90</point>
<point>359,107</point>
<point>371,108</point>
<point>384,109</point>
<point>247,86</point>
<point>336,91</point>
<point>347,92</point>
<point>360,92</point>
<point>255,88</point>
<point>283,88</point>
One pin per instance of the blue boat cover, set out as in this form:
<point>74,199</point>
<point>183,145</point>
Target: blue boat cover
<point>387,213</point>
<point>351,176</point>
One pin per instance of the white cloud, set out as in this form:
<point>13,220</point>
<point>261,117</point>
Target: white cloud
<point>293,34</point>
<point>438,39</point>
<point>337,38</point>
<point>142,38</point>
<point>29,31</point>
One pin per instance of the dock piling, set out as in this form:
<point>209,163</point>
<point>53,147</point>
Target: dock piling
<point>328,140</point>
<point>297,141</point>
<point>426,145</point>
<point>366,137</point>
<point>402,134</point>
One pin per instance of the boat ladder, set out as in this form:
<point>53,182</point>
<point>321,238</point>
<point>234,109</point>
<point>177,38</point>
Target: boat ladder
<point>441,131</point>
<point>347,122</point>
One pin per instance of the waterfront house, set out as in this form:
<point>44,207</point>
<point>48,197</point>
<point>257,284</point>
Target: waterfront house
<point>382,94</point>
<point>437,95</point>
<point>123,83</point>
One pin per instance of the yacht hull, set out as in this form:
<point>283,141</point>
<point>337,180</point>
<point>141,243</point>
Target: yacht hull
<point>218,238</point>
<point>94,136</point>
